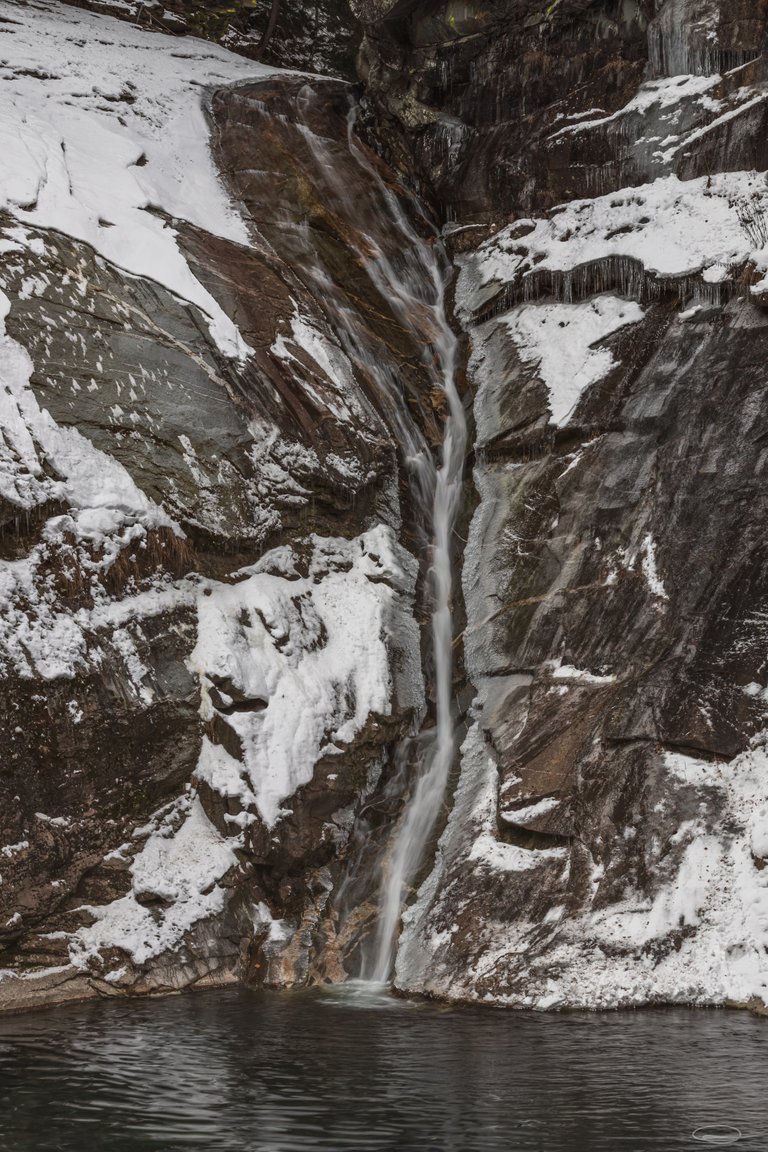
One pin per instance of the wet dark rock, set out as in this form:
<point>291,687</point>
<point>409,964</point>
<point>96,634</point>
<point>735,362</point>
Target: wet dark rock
<point>321,37</point>
<point>488,108</point>
<point>598,677</point>
<point>100,754</point>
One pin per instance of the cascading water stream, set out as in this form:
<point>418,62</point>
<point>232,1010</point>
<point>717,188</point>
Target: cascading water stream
<point>413,281</point>
<point>418,821</point>
<point>421,813</point>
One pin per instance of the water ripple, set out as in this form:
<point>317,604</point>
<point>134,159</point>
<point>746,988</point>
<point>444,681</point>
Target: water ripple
<point>359,1071</point>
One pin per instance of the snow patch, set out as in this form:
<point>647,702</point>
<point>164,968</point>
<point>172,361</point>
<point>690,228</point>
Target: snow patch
<point>660,93</point>
<point>531,811</point>
<point>569,672</point>
<point>560,341</point>
<point>671,227</point>
<point>100,126</point>
<point>650,568</point>
<point>181,866</point>
<point>308,657</point>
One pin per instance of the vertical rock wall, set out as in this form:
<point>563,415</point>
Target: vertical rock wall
<point>208,641</point>
<point>606,836</point>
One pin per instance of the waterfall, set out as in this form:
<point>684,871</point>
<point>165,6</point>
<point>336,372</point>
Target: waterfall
<point>431,268</point>
<point>402,255</point>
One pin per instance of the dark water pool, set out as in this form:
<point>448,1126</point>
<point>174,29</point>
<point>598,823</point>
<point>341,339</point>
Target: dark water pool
<point>301,1072</point>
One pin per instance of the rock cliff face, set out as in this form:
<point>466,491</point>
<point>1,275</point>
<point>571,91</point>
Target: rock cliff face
<point>606,843</point>
<point>214,547</point>
<point>206,607</point>
<point>504,109</point>
<point>320,37</point>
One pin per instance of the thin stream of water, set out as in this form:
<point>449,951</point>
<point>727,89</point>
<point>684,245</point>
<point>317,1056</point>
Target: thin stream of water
<point>415,284</point>
<point>417,824</point>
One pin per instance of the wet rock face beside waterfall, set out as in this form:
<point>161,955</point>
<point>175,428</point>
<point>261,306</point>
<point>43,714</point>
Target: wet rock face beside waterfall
<point>607,836</point>
<point>99,743</point>
<point>467,99</point>
<point>613,587</point>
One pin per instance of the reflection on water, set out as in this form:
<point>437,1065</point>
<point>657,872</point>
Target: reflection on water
<point>357,1071</point>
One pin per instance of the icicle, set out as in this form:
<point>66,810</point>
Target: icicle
<point>682,40</point>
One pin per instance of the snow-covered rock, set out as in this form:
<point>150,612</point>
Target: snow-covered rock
<point>207,635</point>
<point>603,178</point>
